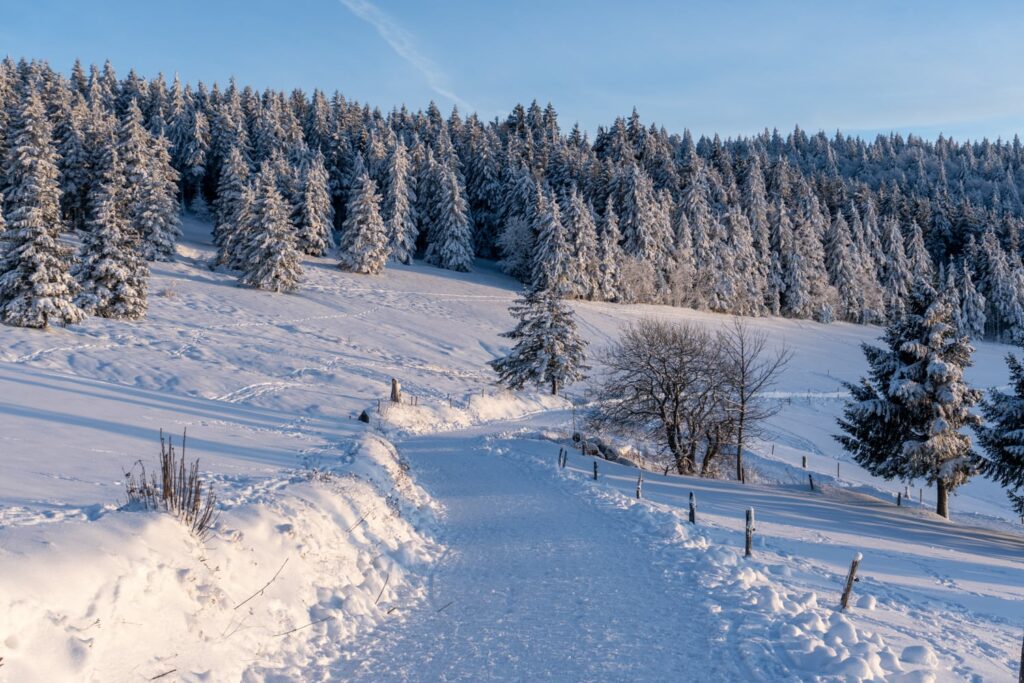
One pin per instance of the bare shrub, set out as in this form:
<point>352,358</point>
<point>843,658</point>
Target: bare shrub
<point>178,491</point>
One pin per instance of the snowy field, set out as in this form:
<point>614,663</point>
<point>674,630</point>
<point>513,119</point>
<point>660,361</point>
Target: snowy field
<point>441,541</point>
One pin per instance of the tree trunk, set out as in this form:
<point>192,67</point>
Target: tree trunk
<point>554,387</point>
<point>739,448</point>
<point>942,499</point>
<point>673,448</point>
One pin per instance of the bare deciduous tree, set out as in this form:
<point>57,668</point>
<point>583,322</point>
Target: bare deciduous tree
<point>750,370</point>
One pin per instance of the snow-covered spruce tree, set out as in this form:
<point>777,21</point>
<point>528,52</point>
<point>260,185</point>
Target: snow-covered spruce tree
<point>268,256</point>
<point>897,277</point>
<point>156,216</point>
<point>548,349</point>
<point>36,287</point>
<point>584,264</point>
<point>551,260</point>
<point>400,206</point>
<point>904,420</point>
<point>231,189</point>
<point>972,306</point>
<point>610,254</point>
<point>364,241</point>
<point>133,149</point>
<point>1001,437</point>
<point>452,246</point>
<point>316,214</point>
<point>112,272</point>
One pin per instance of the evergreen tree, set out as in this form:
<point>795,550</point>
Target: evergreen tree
<point>452,245</point>
<point>113,274</point>
<point>268,257</point>
<point>972,306</point>
<point>548,350</point>
<point>904,420</point>
<point>400,206</point>
<point>584,265</point>
<point>897,277</point>
<point>364,240</point>
<point>1001,436</point>
<point>551,262</point>
<point>316,214</point>
<point>156,213</point>
<point>610,255</point>
<point>36,288</point>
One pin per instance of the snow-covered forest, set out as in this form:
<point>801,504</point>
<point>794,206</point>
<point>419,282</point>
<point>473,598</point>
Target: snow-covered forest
<point>797,225</point>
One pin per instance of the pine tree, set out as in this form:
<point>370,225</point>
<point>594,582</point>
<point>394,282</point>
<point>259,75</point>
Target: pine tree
<point>364,240</point>
<point>548,350</point>
<point>400,206</point>
<point>897,278</point>
<point>113,273</point>
<point>1001,436</point>
<point>36,288</point>
<point>904,421</point>
<point>584,264</point>
<point>451,247</point>
<point>551,262</point>
<point>972,306</point>
<point>268,256</point>
<point>610,255</point>
<point>156,214</point>
<point>316,214</point>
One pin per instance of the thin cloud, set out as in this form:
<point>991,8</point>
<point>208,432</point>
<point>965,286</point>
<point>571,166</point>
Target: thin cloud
<point>401,41</point>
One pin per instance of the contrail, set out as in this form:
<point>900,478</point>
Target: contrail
<point>401,41</point>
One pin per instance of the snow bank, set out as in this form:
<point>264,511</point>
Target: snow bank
<point>131,595</point>
<point>474,409</point>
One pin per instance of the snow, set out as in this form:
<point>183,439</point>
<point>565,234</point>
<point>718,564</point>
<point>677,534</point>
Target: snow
<point>441,540</point>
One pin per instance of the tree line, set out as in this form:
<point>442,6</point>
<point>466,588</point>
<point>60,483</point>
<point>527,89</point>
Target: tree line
<point>805,226</point>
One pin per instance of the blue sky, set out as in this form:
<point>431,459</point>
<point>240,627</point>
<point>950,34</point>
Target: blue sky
<point>728,67</point>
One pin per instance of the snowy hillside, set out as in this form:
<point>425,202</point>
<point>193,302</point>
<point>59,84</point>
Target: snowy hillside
<point>440,541</point>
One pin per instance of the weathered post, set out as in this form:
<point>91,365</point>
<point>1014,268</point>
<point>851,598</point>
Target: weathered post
<point>899,498</point>
<point>837,470</point>
<point>639,485</point>
<point>804,461</point>
<point>396,391</point>
<point>810,478</point>
<point>693,508</point>
<point>595,470</point>
<point>1020,675</point>
<point>750,533</point>
<point>851,577</point>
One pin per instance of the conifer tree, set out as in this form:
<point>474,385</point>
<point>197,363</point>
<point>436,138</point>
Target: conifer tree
<point>316,214</point>
<point>113,273</point>
<point>972,306</point>
<point>231,198</point>
<point>36,288</point>
<point>452,244</point>
<point>551,262</point>
<point>548,349</point>
<point>156,215</point>
<point>268,257</point>
<point>904,420</point>
<point>400,206</point>
<point>364,242</point>
<point>583,263</point>
<point>1001,436</point>
<point>610,255</point>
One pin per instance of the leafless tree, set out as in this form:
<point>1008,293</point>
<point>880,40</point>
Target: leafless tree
<point>751,369</point>
<point>667,381</point>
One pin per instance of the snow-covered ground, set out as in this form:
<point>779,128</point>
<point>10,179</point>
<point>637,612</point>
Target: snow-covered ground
<point>441,541</point>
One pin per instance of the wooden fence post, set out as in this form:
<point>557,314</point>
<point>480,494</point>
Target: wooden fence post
<point>750,533</point>
<point>810,478</point>
<point>837,470</point>
<point>639,485</point>
<point>804,461</point>
<point>595,470</point>
<point>693,508</point>
<point>899,498</point>
<point>1020,675</point>
<point>849,581</point>
<point>396,391</point>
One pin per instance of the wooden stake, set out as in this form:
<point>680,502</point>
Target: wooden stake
<point>899,498</point>
<point>1020,675</point>
<point>810,478</point>
<point>804,461</point>
<point>595,469</point>
<point>750,533</point>
<point>849,581</point>
<point>639,485</point>
<point>693,508</point>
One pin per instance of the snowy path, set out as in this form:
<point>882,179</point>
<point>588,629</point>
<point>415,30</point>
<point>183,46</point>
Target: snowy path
<point>536,585</point>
